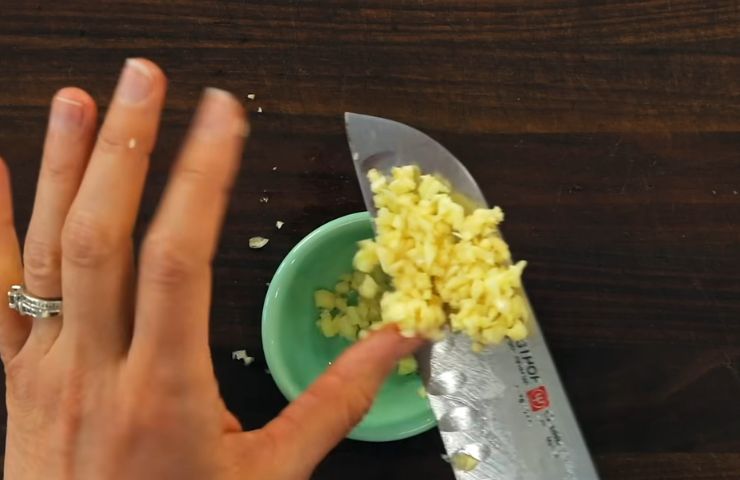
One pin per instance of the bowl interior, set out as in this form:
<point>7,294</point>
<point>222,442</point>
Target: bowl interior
<point>296,351</point>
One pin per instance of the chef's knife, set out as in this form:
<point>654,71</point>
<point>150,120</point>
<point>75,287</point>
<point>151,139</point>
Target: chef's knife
<point>502,413</point>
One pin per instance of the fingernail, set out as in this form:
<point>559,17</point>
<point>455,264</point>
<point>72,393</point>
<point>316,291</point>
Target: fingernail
<point>136,82</point>
<point>216,115</point>
<point>66,113</point>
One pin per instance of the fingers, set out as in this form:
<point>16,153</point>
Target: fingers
<point>325,413</point>
<point>174,288</point>
<point>96,237</point>
<point>69,137</point>
<point>14,329</point>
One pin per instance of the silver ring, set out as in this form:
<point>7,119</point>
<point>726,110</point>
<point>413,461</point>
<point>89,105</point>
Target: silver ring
<point>30,306</point>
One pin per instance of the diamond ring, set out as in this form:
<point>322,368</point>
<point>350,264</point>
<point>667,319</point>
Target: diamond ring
<point>30,306</point>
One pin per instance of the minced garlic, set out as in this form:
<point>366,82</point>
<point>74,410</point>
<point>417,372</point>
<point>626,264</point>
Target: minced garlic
<point>352,306</point>
<point>464,461</point>
<point>434,263</point>
<point>447,265</point>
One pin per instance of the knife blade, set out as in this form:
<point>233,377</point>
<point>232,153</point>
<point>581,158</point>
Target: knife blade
<point>502,413</point>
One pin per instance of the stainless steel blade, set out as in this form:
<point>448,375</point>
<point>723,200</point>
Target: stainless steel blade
<point>506,406</point>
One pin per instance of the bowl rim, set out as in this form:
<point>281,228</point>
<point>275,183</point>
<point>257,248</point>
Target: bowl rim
<point>276,364</point>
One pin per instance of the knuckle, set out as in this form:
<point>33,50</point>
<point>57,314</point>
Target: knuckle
<point>143,411</point>
<point>207,179</point>
<point>354,402</point>
<point>85,240</point>
<point>110,143</point>
<point>70,405</point>
<point>165,261</point>
<point>19,384</point>
<point>357,403</point>
<point>61,167</point>
<point>193,174</point>
<point>56,170</point>
<point>122,141</point>
<point>150,420</point>
<point>41,260</point>
<point>284,425</point>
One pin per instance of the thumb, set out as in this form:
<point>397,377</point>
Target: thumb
<point>326,412</point>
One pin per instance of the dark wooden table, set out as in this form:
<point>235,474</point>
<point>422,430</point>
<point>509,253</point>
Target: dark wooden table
<point>608,131</point>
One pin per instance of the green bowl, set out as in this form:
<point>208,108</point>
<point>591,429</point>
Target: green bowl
<point>296,351</point>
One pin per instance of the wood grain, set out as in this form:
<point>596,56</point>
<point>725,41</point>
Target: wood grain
<point>608,131</point>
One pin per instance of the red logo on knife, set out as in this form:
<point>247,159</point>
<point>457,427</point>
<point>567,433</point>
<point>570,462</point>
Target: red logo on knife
<point>538,399</point>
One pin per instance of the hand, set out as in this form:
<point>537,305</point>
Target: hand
<point>122,387</point>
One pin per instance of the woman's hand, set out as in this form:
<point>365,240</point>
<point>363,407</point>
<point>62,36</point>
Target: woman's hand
<point>121,386</point>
